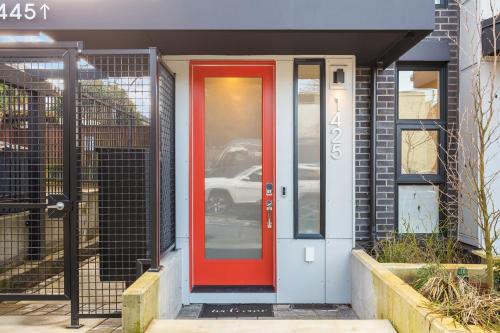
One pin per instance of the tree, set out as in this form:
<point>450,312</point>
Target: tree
<point>469,160</point>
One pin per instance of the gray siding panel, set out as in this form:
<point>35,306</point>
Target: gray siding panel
<point>233,15</point>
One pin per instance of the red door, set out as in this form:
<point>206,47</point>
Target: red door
<point>232,173</point>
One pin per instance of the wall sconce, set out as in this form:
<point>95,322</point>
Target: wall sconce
<point>339,76</point>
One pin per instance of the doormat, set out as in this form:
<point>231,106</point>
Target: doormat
<point>236,310</point>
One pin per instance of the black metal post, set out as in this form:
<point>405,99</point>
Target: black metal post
<point>154,162</point>
<point>70,173</point>
<point>373,167</point>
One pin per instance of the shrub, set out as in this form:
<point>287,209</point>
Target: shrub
<point>412,248</point>
<point>455,297</point>
<point>425,273</point>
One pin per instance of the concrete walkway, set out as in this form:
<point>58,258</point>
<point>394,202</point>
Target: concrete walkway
<point>44,324</point>
<point>274,326</point>
<point>49,317</point>
<point>52,317</point>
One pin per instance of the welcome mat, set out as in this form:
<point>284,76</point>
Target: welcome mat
<point>236,310</point>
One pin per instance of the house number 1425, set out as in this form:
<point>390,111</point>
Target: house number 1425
<point>26,11</point>
<point>335,134</point>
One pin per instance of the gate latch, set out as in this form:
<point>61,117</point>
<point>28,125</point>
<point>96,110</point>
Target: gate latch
<point>58,206</point>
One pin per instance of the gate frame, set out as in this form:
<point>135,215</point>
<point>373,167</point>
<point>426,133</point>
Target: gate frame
<point>70,52</point>
<point>66,51</point>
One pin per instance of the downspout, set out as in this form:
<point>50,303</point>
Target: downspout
<point>373,155</point>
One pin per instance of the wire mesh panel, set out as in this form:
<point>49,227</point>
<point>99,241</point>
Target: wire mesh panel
<point>31,175</point>
<point>113,131</point>
<point>166,109</point>
<point>113,222</point>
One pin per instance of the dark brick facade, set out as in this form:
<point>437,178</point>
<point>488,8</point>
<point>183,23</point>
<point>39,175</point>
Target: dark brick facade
<point>363,83</point>
<point>446,28</point>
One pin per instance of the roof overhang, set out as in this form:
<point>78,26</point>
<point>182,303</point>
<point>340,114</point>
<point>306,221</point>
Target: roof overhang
<point>428,50</point>
<point>373,30</point>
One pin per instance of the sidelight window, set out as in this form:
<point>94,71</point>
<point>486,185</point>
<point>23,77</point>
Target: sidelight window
<point>309,154</point>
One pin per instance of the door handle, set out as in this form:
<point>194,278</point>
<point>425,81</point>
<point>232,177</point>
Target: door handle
<point>59,206</point>
<point>269,209</point>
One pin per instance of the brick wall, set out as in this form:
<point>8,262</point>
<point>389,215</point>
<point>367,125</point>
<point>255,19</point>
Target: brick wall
<point>362,136</point>
<point>386,164</point>
<point>446,28</point>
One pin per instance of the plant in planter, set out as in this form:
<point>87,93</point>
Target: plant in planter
<point>458,298</point>
<point>413,248</point>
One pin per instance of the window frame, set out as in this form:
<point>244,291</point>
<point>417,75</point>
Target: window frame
<point>438,179</point>
<point>418,178</point>
<point>322,64</point>
<point>442,4</point>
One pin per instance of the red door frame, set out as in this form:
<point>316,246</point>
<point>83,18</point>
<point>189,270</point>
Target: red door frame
<point>215,272</point>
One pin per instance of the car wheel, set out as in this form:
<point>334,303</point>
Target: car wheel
<point>219,202</point>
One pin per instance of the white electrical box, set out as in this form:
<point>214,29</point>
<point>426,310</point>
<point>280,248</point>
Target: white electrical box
<point>309,255</point>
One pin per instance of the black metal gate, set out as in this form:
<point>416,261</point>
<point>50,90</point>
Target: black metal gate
<point>87,176</point>
<point>35,184</point>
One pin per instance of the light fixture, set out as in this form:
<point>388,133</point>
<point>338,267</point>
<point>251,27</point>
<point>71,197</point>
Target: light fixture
<point>339,76</point>
<point>40,38</point>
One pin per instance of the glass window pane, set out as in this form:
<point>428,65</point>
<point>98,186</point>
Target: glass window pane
<point>419,95</point>
<point>418,208</point>
<point>419,152</point>
<point>309,148</point>
<point>233,168</point>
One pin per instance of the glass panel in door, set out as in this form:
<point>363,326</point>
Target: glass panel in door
<point>233,168</point>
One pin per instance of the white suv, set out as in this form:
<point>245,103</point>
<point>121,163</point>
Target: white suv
<point>221,193</point>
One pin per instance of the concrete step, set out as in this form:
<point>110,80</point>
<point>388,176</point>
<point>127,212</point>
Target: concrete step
<point>274,326</point>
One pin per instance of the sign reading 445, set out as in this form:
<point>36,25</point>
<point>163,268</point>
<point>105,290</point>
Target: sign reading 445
<point>25,11</point>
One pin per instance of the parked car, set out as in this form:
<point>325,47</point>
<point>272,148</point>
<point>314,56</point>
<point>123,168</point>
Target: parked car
<point>223,193</point>
<point>236,157</point>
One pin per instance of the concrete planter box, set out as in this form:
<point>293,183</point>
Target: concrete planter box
<point>379,292</point>
<point>155,295</point>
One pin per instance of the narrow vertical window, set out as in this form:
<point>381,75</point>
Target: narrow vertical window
<point>421,143</point>
<point>309,148</point>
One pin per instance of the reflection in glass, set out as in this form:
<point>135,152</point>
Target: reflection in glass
<point>233,168</point>
<point>418,208</point>
<point>419,95</point>
<point>309,147</point>
<point>419,152</point>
